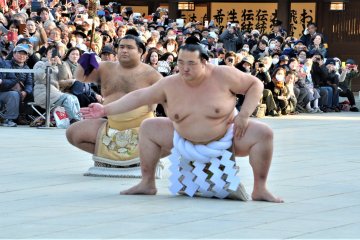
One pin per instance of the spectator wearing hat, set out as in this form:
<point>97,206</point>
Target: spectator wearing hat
<point>262,70</point>
<point>277,30</point>
<point>263,74</point>
<point>204,33</point>
<point>331,81</point>
<point>80,36</point>
<point>298,46</point>
<point>352,72</point>
<point>33,58</point>
<point>283,62</point>
<point>16,89</point>
<point>246,64</point>
<point>210,41</point>
<point>107,54</point>
<point>280,92</point>
<point>106,38</point>
<point>317,44</point>
<point>232,38</point>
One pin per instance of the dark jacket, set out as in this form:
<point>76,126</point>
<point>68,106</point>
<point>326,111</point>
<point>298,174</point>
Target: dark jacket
<point>317,75</point>
<point>9,80</point>
<point>232,42</point>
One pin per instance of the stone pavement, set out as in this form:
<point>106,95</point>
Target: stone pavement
<point>316,169</point>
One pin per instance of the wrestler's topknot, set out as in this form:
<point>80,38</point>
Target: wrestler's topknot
<point>192,44</point>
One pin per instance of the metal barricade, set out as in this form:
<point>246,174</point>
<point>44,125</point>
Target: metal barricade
<point>47,72</point>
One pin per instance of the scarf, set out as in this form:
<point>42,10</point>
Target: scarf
<point>72,66</point>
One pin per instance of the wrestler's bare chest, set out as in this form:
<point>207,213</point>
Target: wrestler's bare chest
<point>117,83</point>
<point>210,102</point>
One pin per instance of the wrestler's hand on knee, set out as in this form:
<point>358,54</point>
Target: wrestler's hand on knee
<point>94,110</point>
<point>240,125</point>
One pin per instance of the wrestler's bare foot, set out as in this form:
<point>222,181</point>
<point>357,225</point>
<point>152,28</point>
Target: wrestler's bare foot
<point>265,195</point>
<point>142,188</point>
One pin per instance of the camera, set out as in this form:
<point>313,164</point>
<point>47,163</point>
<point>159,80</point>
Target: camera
<point>55,52</point>
<point>261,65</point>
<point>230,60</point>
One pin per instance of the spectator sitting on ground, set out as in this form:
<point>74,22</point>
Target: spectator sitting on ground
<point>331,80</point>
<point>317,74</point>
<point>267,98</point>
<point>314,94</point>
<point>352,72</point>
<point>301,92</point>
<point>279,91</point>
<point>289,83</point>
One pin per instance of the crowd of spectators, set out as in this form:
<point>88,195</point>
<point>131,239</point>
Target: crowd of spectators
<point>298,74</point>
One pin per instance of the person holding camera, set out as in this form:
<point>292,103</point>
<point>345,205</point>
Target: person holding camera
<point>58,98</point>
<point>331,82</point>
<point>352,72</point>
<point>232,38</point>
<point>36,34</point>
<point>229,59</point>
<point>317,74</point>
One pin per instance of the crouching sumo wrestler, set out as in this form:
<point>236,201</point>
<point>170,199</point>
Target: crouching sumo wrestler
<point>202,130</point>
<point>114,141</point>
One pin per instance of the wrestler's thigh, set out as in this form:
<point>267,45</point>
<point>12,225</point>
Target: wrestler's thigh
<point>84,131</point>
<point>255,132</point>
<point>159,130</point>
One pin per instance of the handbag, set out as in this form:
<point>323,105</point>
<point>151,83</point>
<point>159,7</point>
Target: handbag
<point>61,118</point>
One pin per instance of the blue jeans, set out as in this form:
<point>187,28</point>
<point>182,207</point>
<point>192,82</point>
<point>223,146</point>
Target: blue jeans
<point>11,99</point>
<point>330,94</point>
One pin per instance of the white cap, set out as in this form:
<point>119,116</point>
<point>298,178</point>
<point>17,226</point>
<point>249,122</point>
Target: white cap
<point>213,35</point>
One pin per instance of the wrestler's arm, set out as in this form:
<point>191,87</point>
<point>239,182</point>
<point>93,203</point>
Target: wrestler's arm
<point>241,83</point>
<point>144,96</point>
<point>153,77</point>
<point>94,76</point>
